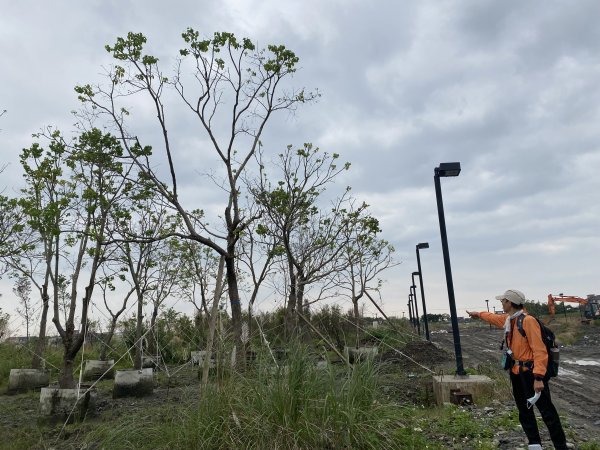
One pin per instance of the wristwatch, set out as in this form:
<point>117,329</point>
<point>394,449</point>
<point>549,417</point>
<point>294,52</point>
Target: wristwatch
<point>538,378</point>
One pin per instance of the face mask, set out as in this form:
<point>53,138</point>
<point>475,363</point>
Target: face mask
<point>531,401</point>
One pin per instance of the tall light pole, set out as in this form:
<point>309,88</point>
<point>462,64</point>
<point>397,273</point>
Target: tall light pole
<point>487,303</point>
<point>414,293</point>
<point>421,246</point>
<point>448,170</point>
<point>410,314</point>
<point>415,311</point>
<point>426,325</point>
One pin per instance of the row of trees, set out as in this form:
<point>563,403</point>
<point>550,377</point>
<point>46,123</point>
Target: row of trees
<point>98,218</point>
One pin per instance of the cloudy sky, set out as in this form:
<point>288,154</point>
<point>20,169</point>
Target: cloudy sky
<point>509,89</point>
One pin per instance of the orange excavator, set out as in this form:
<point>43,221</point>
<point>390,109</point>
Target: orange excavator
<point>589,306</point>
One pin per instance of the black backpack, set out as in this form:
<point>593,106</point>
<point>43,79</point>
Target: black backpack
<point>549,341</point>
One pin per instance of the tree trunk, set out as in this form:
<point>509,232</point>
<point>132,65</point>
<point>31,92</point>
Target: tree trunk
<point>236,307</point>
<point>212,325</point>
<point>356,320</point>
<point>66,380</point>
<point>152,347</point>
<point>40,347</point>
<point>290,316</point>
<point>301,330</point>
<point>109,336</point>
<point>137,364</point>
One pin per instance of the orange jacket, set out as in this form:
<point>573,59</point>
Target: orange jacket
<point>531,348</point>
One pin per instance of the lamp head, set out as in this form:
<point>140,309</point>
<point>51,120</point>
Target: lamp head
<point>423,245</point>
<point>451,169</point>
<point>415,273</point>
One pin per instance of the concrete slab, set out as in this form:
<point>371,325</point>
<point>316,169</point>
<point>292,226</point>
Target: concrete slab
<point>477,385</point>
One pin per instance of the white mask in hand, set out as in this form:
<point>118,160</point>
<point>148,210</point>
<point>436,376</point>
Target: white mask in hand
<point>531,401</point>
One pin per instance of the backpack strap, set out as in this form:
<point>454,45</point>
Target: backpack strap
<point>520,320</point>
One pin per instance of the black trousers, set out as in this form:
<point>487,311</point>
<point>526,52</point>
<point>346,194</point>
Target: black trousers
<point>522,386</point>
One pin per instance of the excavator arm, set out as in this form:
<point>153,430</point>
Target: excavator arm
<point>552,299</point>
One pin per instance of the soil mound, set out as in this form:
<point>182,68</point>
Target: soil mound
<point>423,352</point>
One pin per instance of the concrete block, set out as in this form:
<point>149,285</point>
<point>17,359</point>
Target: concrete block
<point>95,369</point>
<point>477,385</point>
<point>198,358</point>
<point>360,354</point>
<point>60,404</point>
<point>23,380</point>
<point>151,362</point>
<point>133,383</point>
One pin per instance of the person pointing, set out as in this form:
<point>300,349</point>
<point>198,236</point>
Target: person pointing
<point>527,363</point>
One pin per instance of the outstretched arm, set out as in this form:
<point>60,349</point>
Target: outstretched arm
<point>495,319</point>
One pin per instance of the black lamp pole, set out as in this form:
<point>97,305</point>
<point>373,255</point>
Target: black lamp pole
<point>425,322</point>
<point>413,288</point>
<point>448,170</point>
<point>487,303</point>
<point>410,314</point>
<point>420,246</point>
<point>412,305</point>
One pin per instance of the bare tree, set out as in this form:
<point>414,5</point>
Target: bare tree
<point>22,290</point>
<point>197,274</point>
<point>106,285</point>
<point>310,235</point>
<point>259,253</point>
<point>4,321</point>
<point>163,281</point>
<point>142,257</point>
<point>232,90</point>
<point>366,256</point>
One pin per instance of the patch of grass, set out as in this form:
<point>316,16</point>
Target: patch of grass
<point>446,427</point>
<point>508,421</point>
<point>296,406</point>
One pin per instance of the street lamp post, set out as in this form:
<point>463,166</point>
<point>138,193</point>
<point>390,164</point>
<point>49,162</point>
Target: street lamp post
<point>487,303</point>
<point>421,246</point>
<point>414,292</point>
<point>410,314</point>
<point>415,311</point>
<point>448,170</point>
<point>425,321</point>
<point>412,306</point>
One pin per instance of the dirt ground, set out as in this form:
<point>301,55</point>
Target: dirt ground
<point>576,390</point>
